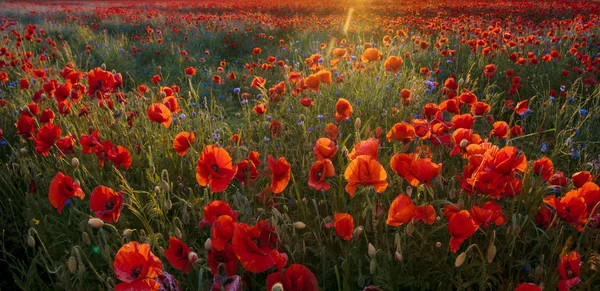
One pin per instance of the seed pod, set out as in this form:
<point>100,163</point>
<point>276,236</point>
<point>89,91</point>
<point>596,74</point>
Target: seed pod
<point>31,241</point>
<point>95,222</point>
<point>72,265</point>
<point>371,250</point>
<point>299,225</point>
<point>85,238</point>
<point>491,253</point>
<point>460,259</point>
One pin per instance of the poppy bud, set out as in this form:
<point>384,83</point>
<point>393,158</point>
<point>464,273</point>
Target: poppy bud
<point>372,251</point>
<point>192,256</point>
<point>75,162</point>
<point>208,244</point>
<point>81,267</point>
<point>158,68</point>
<point>127,232</point>
<point>398,256</point>
<point>23,150</point>
<point>72,265</point>
<point>372,267</point>
<point>277,287</point>
<point>163,94</point>
<point>409,191</point>
<point>299,225</point>
<point>85,238</point>
<point>358,231</point>
<point>44,96</point>
<point>438,244</point>
<point>178,233</point>
<point>357,124</point>
<point>464,143</point>
<point>410,228</point>
<point>460,259</point>
<point>539,272</point>
<point>31,241</point>
<point>157,189</point>
<point>96,223</point>
<point>491,253</point>
<point>461,81</point>
<point>169,204</point>
<point>103,66</point>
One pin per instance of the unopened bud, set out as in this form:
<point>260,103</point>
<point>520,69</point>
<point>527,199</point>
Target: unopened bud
<point>31,241</point>
<point>23,150</point>
<point>277,287</point>
<point>438,244</point>
<point>373,267</point>
<point>358,231</point>
<point>208,244</point>
<point>85,238</point>
<point>169,204</point>
<point>103,66</point>
<point>127,232</point>
<point>178,233</point>
<point>96,223</point>
<point>163,94</point>
<point>491,253</point>
<point>72,265</point>
<point>157,189</point>
<point>398,256</point>
<point>460,259</point>
<point>166,187</point>
<point>192,257</point>
<point>357,124</point>
<point>371,251</point>
<point>299,225</point>
<point>464,143</point>
<point>75,162</point>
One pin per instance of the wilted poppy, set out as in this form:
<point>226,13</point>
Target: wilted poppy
<point>295,277</point>
<point>344,225</point>
<point>63,188</point>
<point>106,203</point>
<point>280,173</point>
<point>214,168</point>
<point>178,255</point>
<point>137,267</point>
<point>366,171</point>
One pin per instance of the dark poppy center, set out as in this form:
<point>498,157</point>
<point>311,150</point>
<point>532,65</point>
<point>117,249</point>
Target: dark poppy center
<point>136,271</point>
<point>109,205</point>
<point>319,173</point>
<point>215,168</point>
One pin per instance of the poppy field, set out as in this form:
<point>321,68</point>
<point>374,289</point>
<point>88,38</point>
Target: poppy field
<point>300,145</point>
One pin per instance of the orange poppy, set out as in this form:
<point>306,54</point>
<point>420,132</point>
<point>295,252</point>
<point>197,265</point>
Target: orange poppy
<point>463,121</point>
<point>160,113</point>
<point>106,203</point>
<point>258,82</point>
<point>488,213</point>
<point>182,142</point>
<point>401,211</point>
<point>321,170</point>
<point>280,174</point>
<point>461,138</point>
<point>366,171</point>
<point>295,277</point>
<point>324,149</point>
<point>369,147</point>
<point>171,103</point>
<point>259,109</point>
<point>213,210</point>
<point>571,208</point>
<point>403,132</point>
<point>63,188</point>
<point>460,227</point>
<point>344,225</point>
<point>426,214</point>
<point>332,130</point>
<point>544,168</point>
<point>371,55</point>
<point>46,137</point>
<point>480,108</point>
<point>522,107</point>
<point>214,168</point>
<point>343,110</point>
<point>257,247</point>
<point>422,128</point>
<point>325,77</point>
<point>500,129</point>
<point>137,267</point>
<point>222,232</point>
<point>393,64</point>
<point>178,255</point>
<point>413,169</point>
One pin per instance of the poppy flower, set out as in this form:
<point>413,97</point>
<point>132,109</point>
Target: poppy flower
<point>307,102</point>
<point>321,170</point>
<point>426,214</point>
<point>66,145</point>
<point>325,76</point>
<point>463,121</point>
<point>522,107</point>
<point>571,208</point>
<point>528,287</point>
<point>214,168</point>
<point>544,216</point>
<point>47,116</point>
<point>25,126</point>
<point>393,64</point>
<point>137,267</point>
<point>344,225</point>
<point>120,156</point>
<point>257,247</point>
<point>371,55</point>
<point>160,113</point>
<point>182,142</point>
<point>246,170</point>
<point>489,71</point>
<point>450,105</point>
<point>401,211</point>
<point>222,232</point>
<point>517,130</point>
<point>500,129</point>
<point>258,82</point>
<point>106,203</point>
<point>581,178</point>
<point>63,188</point>
<point>460,227</point>
<point>569,269</point>
<point>430,109</point>
<point>324,149</point>
<point>489,212</point>
<point>225,258</point>
<point>295,277</point>
<point>414,169</point>
<point>461,138</point>
<point>406,96</point>
<point>100,81</point>
<point>90,142</point>
<point>213,210</point>
<point>403,132</point>
<point>178,255</point>
<point>23,84</point>
<point>331,130</point>
<point>480,108</point>
<point>543,168</point>
<point>171,103</point>
<point>366,171</point>
<point>259,109</point>
<point>280,173</point>
<point>46,137</point>
<point>190,71</point>
<point>156,79</point>
<point>369,147</point>
<point>343,110</point>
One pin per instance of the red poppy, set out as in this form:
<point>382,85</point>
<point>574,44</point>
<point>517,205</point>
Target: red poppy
<point>225,258</point>
<point>190,71</point>
<point>568,269</point>
<point>463,121</point>
<point>344,225</point>
<point>489,212</point>
<point>480,108</point>
<point>426,214</point>
<point>461,227</point>
<point>63,188</point>
<point>570,208</point>
<point>366,171</point>
<point>544,168</point>
<point>155,79</point>
<point>401,211</point>
<point>528,287</point>
<point>369,147</point>
<point>100,81</point>
<point>321,170</point>
<point>213,210</point>
<point>393,64</point>
<point>257,247</point>
<point>47,116</point>
<point>413,169</point>
<point>171,103</point>
<point>324,149</point>
<point>66,145</point>
<point>280,174</point>
<point>178,255</point>
<point>461,138</point>
<point>544,216</point>
<point>137,267</point>
<point>182,142</point>
<point>106,203</point>
<point>259,109</point>
<point>581,178</point>
<point>119,155</point>
<point>90,142</point>
<point>403,132</point>
<point>214,168</point>
<point>26,126</point>
<point>343,110</point>
<point>46,137</point>
<point>160,113</point>
<point>222,232</point>
<point>500,129</point>
<point>522,107</point>
<point>258,82</point>
<point>295,277</point>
